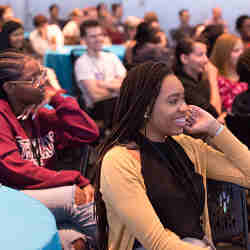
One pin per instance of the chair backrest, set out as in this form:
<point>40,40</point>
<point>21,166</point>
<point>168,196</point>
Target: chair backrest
<point>227,212</point>
<point>73,159</point>
<point>74,55</point>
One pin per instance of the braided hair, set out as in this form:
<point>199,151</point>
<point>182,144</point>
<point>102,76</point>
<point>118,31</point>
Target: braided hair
<point>138,94</point>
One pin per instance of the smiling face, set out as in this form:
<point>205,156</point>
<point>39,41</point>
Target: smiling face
<point>16,38</point>
<point>194,63</point>
<point>169,112</point>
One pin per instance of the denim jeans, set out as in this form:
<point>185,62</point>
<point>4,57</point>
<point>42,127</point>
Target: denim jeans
<point>73,221</point>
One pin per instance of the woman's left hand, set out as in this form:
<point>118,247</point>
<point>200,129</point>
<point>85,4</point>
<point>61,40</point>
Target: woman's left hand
<point>199,121</point>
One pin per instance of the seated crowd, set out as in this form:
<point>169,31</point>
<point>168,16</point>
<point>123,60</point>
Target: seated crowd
<point>173,113</point>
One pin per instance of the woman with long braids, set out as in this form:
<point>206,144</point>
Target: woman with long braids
<point>151,180</point>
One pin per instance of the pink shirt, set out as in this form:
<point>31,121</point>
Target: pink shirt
<point>229,90</point>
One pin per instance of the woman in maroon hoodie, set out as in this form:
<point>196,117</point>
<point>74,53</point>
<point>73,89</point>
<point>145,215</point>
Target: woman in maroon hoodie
<point>29,137</point>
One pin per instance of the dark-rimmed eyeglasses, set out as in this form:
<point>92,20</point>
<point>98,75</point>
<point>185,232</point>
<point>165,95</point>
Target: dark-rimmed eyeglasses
<point>35,82</point>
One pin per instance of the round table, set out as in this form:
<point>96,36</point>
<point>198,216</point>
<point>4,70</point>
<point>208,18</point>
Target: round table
<point>26,224</point>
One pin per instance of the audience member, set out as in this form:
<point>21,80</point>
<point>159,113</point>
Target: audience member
<point>191,63</point>
<point>151,186</point>
<point>243,27</point>
<point>117,13</point>
<point>145,36</point>
<point>225,54</point>
<point>6,14</point>
<point>238,120</point>
<point>217,19</point>
<point>185,30</point>
<point>54,16</point>
<point>71,30</point>
<point>12,36</point>
<point>45,36</point>
<point>130,27</point>
<point>30,136</point>
<point>210,34</point>
<point>99,74</point>
<point>150,17</point>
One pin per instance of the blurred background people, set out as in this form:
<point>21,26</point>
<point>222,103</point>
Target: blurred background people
<point>6,14</point>
<point>54,16</point>
<point>242,25</point>
<point>71,30</point>
<point>238,119</point>
<point>191,64</point>
<point>45,36</point>
<point>185,30</point>
<point>224,56</point>
<point>217,18</point>
<point>210,34</point>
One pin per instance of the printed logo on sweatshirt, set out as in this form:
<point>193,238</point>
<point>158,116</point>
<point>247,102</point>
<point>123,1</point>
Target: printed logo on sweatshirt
<point>37,149</point>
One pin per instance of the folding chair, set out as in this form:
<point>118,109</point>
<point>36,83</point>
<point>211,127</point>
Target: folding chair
<point>228,214</point>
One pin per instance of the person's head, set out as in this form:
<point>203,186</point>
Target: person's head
<point>54,11</point>
<point>150,16</point>
<point>102,10</point>
<point>77,15</point>
<point>226,52</point>
<point>191,56</point>
<point>20,73</point>
<point>40,21</point>
<point>130,25</point>
<point>243,27</point>
<point>184,16</point>
<point>210,34</point>
<point>6,13</point>
<point>145,33</point>
<point>243,66</point>
<point>217,13</point>
<point>12,35</point>
<point>92,33</point>
<point>117,10</point>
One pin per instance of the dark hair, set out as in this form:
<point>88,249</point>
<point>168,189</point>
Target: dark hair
<point>86,25</point>
<point>239,22</point>
<point>12,65</point>
<point>182,11</point>
<point>138,93</point>
<point>115,6</point>
<point>52,6</point>
<point>7,29</point>
<point>39,20</point>
<point>243,66</point>
<point>144,34</point>
<point>185,47</point>
<point>151,17</point>
<point>210,34</point>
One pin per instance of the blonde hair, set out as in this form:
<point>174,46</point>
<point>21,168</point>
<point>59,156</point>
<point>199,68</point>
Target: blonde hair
<point>221,52</point>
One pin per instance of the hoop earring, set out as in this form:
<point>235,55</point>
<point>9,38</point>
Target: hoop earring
<point>146,116</point>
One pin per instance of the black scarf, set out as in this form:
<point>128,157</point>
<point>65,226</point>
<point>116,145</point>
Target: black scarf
<point>173,187</point>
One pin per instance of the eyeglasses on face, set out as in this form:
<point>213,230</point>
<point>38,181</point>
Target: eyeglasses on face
<point>35,82</point>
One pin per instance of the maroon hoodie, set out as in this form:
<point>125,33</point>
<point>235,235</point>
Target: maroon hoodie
<point>26,163</point>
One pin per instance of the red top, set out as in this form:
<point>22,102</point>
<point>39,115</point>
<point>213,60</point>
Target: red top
<point>229,90</point>
<point>62,125</point>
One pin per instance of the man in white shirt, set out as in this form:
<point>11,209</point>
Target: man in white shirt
<point>99,74</point>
